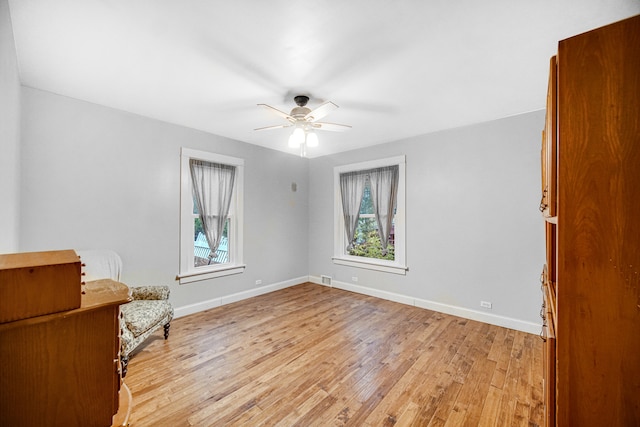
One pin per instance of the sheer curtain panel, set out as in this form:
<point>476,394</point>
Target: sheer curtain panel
<point>212,190</point>
<point>384,189</point>
<point>351,189</point>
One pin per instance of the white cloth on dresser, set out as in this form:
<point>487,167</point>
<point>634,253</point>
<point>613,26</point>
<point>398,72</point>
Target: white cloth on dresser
<point>100,264</point>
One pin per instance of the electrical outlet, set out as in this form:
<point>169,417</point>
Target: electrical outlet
<point>354,279</point>
<point>258,282</point>
<point>485,304</point>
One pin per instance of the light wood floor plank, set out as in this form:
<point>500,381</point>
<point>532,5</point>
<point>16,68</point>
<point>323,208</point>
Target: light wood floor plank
<point>310,355</point>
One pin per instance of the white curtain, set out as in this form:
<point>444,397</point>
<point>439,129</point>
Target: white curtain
<point>352,189</point>
<point>212,190</point>
<point>384,189</point>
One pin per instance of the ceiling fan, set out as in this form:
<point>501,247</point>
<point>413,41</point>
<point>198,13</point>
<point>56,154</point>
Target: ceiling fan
<point>305,122</point>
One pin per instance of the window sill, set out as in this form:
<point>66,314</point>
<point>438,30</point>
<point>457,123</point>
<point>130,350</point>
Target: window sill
<point>195,276</point>
<point>386,267</point>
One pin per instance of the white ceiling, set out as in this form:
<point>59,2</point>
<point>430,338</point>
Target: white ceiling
<point>396,68</point>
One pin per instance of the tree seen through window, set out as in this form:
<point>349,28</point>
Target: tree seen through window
<point>367,240</point>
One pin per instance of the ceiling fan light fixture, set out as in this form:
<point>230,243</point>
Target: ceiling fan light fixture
<point>305,123</point>
<point>312,139</point>
<point>296,138</point>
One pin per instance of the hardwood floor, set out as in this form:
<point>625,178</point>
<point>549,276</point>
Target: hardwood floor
<point>317,356</point>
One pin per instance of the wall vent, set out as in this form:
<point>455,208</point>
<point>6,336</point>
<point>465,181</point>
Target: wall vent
<point>326,280</point>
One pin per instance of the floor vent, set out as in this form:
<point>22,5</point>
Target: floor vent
<point>326,280</point>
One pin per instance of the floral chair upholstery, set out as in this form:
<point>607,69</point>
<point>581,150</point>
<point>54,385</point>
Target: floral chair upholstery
<point>149,310</point>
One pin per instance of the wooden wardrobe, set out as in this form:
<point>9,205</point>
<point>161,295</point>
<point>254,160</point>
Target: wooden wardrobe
<point>591,206</point>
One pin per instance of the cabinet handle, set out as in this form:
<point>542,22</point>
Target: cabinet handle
<point>543,205</point>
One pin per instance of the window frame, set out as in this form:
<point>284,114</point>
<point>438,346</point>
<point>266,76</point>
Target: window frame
<point>188,272</point>
<point>398,265</point>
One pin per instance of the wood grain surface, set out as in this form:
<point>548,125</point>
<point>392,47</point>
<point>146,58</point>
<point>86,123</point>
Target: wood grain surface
<point>310,355</point>
<point>598,313</point>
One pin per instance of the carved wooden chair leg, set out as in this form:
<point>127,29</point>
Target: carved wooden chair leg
<point>124,362</point>
<point>166,330</point>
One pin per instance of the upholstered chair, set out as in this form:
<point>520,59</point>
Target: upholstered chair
<point>149,310</point>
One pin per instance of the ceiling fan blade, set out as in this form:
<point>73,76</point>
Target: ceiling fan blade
<point>273,127</point>
<point>334,127</point>
<point>321,111</point>
<point>278,112</point>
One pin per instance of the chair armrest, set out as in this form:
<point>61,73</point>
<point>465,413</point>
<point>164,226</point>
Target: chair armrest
<point>150,292</point>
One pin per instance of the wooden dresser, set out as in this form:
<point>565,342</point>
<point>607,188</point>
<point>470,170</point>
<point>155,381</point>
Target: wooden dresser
<point>591,206</point>
<point>62,368</point>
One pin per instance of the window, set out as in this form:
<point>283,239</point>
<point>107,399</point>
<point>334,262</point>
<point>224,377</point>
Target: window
<point>355,185</point>
<point>197,260</point>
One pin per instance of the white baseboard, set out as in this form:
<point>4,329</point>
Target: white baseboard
<point>228,299</point>
<point>492,319</point>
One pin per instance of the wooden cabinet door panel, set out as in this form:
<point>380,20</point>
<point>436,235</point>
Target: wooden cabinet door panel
<point>598,350</point>
<point>58,372</point>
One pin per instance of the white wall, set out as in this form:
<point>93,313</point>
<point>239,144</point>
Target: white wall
<point>474,230</point>
<point>95,177</point>
<point>9,135</point>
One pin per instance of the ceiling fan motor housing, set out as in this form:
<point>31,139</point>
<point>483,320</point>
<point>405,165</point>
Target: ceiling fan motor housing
<point>300,112</point>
